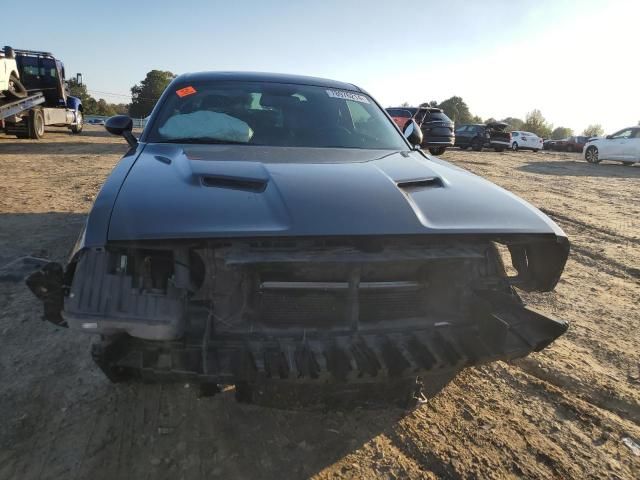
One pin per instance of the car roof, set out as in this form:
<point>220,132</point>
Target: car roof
<point>265,77</point>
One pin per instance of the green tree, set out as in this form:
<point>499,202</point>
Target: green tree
<point>490,120</point>
<point>405,104</point>
<point>432,103</point>
<point>105,109</point>
<point>561,132</point>
<point>514,123</point>
<point>145,94</point>
<point>595,130</point>
<point>79,90</point>
<point>457,110</point>
<point>536,123</point>
<point>121,108</point>
<point>92,106</point>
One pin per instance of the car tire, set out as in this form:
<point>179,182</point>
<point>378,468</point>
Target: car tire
<point>591,155</point>
<point>535,150</point>
<point>514,146</point>
<point>77,128</point>
<point>36,124</point>
<point>476,145</point>
<point>16,90</point>
<point>437,150</point>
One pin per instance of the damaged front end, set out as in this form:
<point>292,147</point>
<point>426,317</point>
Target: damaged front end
<point>302,321</point>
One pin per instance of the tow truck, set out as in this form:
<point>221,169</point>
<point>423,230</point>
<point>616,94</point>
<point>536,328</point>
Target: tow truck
<point>47,101</point>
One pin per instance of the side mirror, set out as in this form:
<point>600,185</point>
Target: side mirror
<point>122,125</point>
<point>412,133</point>
<point>8,52</point>
<point>609,137</point>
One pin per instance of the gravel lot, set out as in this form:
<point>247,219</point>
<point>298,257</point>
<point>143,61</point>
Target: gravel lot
<point>571,411</point>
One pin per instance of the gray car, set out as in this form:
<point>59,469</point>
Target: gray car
<point>279,233</point>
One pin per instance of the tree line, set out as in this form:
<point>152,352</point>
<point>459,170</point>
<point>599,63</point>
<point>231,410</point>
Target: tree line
<point>457,110</point>
<point>144,96</point>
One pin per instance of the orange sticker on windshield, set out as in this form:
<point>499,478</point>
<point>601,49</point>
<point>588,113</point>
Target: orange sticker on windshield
<point>183,92</point>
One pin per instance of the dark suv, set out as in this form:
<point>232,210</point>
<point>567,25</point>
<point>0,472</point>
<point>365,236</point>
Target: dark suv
<point>576,144</point>
<point>479,136</point>
<point>437,128</point>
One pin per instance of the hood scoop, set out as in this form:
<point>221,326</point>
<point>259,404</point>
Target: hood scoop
<point>235,183</point>
<point>420,183</point>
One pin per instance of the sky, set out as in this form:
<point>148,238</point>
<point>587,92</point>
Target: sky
<point>576,61</point>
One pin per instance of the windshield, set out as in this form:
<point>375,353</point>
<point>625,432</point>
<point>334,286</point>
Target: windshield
<point>396,112</point>
<point>37,72</point>
<point>273,114</point>
<point>438,117</point>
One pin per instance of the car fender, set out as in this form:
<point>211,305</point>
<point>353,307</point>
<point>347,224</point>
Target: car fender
<point>74,103</point>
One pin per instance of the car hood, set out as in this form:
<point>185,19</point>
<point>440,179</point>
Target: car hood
<point>199,191</point>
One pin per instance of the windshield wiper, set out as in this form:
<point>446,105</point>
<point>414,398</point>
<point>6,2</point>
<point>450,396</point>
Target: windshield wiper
<point>203,140</point>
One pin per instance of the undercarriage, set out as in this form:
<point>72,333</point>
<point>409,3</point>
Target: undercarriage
<point>299,322</point>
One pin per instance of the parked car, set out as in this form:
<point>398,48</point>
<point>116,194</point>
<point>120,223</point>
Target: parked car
<point>479,136</point>
<point>279,233</point>
<point>623,146</point>
<point>548,144</point>
<point>560,145</point>
<point>525,141</point>
<point>575,144</point>
<point>10,85</point>
<point>401,115</point>
<point>437,128</point>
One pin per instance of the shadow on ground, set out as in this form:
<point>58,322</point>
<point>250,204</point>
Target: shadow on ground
<point>44,147</point>
<point>580,169</point>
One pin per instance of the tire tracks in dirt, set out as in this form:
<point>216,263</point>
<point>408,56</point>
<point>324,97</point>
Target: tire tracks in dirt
<point>606,263</point>
<point>600,398</point>
<point>606,233</point>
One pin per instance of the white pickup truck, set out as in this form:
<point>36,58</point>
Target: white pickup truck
<point>10,85</point>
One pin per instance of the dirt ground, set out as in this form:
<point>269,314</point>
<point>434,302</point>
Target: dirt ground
<point>570,411</point>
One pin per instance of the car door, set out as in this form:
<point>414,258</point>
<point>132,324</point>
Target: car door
<point>619,144</point>
<point>536,142</point>
<point>462,139</point>
<point>633,150</point>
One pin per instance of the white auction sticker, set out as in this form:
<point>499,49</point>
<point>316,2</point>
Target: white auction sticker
<point>343,94</point>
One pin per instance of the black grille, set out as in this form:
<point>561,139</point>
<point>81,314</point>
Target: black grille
<point>314,308</point>
<point>318,304</point>
<point>377,306</point>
